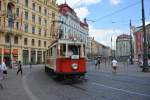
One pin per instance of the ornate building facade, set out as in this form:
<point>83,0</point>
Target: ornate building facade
<point>123,46</point>
<point>71,27</point>
<point>26,29</point>
<point>138,45</point>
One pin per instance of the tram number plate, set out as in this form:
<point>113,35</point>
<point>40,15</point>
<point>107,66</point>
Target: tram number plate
<point>75,57</point>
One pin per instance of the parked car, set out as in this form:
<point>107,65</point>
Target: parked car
<point>141,63</point>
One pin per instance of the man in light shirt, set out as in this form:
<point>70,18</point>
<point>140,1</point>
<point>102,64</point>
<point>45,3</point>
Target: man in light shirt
<point>114,65</point>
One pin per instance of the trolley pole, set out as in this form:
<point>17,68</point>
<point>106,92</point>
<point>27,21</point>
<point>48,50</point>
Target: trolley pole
<point>131,47</point>
<point>145,60</point>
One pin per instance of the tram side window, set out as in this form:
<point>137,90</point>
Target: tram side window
<point>62,49</point>
<point>54,51</point>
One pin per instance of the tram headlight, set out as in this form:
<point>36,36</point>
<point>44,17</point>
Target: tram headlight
<point>74,66</point>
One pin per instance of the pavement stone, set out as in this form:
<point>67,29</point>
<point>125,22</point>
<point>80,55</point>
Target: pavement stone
<point>13,84</point>
<point>122,69</point>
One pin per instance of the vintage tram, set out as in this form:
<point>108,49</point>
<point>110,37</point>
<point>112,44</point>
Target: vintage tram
<point>66,58</point>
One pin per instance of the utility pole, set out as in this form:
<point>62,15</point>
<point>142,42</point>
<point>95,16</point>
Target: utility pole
<point>145,54</point>
<point>131,47</point>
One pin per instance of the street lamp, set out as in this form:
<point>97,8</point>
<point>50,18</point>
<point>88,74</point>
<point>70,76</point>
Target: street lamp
<point>145,54</point>
<point>131,47</point>
<point>11,19</point>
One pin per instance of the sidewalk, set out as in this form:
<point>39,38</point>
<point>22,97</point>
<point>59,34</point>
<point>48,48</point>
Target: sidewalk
<point>13,84</point>
<point>122,69</point>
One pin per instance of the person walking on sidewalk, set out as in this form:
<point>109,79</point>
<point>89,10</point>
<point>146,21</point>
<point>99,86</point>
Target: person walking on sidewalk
<point>1,76</point>
<point>114,65</point>
<point>19,68</point>
<point>4,68</point>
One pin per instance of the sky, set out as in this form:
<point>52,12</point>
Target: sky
<point>109,18</point>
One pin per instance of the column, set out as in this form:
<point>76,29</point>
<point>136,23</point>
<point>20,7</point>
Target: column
<point>29,59</point>
<point>36,56</point>
<point>42,57</point>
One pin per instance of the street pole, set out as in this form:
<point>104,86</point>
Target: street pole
<point>145,61</point>
<point>111,49</point>
<point>131,47</point>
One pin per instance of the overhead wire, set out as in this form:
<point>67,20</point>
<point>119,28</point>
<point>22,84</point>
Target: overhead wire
<point>113,13</point>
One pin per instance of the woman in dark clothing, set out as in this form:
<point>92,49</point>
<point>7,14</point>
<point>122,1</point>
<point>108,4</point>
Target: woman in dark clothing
<point>19,68</point>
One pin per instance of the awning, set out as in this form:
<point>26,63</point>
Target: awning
<point>0,51</point>
<point>15,52</point>
<point>6,51</point>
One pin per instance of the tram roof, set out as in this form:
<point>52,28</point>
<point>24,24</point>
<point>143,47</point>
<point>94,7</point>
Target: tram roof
<point>64,42</point>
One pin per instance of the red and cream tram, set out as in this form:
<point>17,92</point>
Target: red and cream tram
<point>66,58</point>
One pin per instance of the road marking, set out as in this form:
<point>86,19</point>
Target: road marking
<point>113,88</point>
<point>28,91</point>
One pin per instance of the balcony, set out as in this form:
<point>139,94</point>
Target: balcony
<point>2,13</point>
<point>12,1</point>
<point>12,31</point>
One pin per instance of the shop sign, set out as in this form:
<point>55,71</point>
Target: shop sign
<point>15,52</point>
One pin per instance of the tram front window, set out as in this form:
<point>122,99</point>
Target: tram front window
<point>74,49</point>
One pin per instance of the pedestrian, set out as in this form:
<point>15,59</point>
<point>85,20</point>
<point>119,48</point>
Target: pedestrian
<point>4,69</point>
<point>95,62</point>
<point>19,68</point>
<point>1,76</point>
<point>98,63</point>
<point>114,65</point>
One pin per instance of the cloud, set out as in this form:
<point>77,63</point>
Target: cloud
<point>147,22</point>
<point>80,6</point>
<point>79,3</point>
<point>115,2</point>
<point>104,35</point>
<point>82,12</point>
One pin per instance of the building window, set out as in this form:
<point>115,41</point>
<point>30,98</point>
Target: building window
<point>0,21</point>
<point>33,6</point>
<point>17,11</point>
<point>45,12</point>
<point>26,3</point>
<point>40,20</point>
<point>45,2</point>
<point>44,43</point>
<point>17,1</point>
<point>0,5</point>
<point>45,33</point>
<point>16,40</point>
<point>40,9</point>
<point>17,25</point>
<point>33,18</point>
<point>25,41</point>
<point>53,15</point>
<point>45,22</point>
<point>26,28</point>
<point>26,15</point>
<point>7,39</point>
<point>33,30</point>
<point>39,43</point>
<point>32,42</point>
<point>39,31</point>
